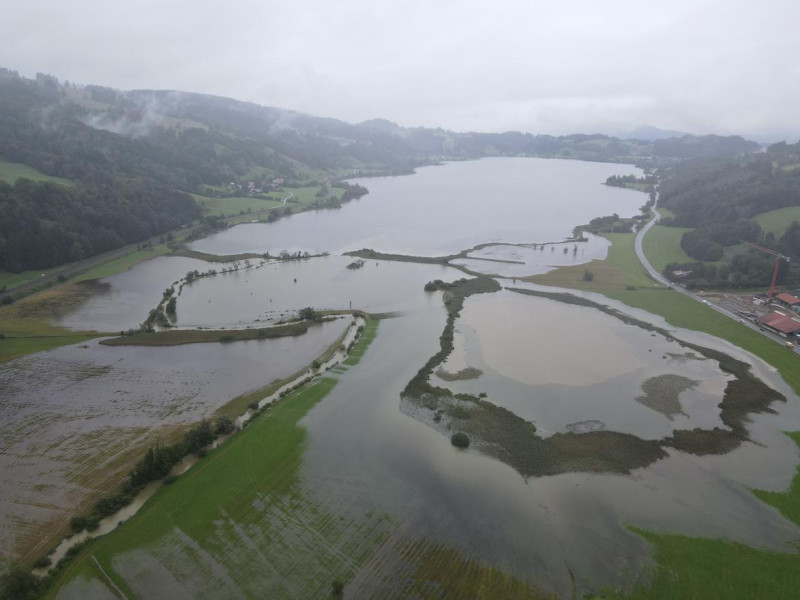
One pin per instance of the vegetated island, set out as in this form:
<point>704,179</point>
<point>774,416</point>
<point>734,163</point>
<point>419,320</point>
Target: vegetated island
<point>503,435</point>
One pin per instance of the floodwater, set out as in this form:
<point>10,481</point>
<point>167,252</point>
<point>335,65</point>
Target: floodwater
<point>443,210</point>
<point>278,290</point>
<point>542,529</point>
<point>58,409</point>
<point>562,366</point>
<point>566,368</point>
<point>505,260</point>
<point>126,298</point>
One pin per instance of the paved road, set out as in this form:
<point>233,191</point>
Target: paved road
<point>662,280</point>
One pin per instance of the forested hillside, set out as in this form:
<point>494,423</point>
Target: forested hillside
<point>718,198</point>
<point>134,157</point>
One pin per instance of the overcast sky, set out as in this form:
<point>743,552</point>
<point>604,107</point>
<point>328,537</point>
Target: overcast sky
<point>555,66</point>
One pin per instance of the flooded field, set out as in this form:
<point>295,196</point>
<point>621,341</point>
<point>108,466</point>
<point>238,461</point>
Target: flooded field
<point>72,419</point>
<point>277,291</point>
<point>123,300</point>
<point>584,419</point>
<point>584,372</point>
<point>507,260</point>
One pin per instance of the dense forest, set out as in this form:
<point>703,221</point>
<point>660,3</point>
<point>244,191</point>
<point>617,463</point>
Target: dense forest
<point>134,157</point>
<point>717,197</point>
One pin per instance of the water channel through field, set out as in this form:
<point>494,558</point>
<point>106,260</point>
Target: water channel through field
<point>569,370</point>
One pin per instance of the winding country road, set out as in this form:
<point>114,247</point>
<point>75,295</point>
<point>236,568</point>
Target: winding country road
<point>658,277</point>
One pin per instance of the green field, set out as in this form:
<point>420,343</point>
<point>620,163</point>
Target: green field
<point>662,245</point>
<point>234,206</point>
<point>699,568</point>
<point>369,333</point>
<point>246,507</point>
<point>681,311</point>
<point>11,280</point>
<point>10,172</point>
<point>619,271</point>
<point>118,265</point>
<point>688,567</point>
<point>777,221</point>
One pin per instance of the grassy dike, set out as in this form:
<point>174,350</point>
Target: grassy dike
<point>259,465</point>
<point>689,567</point>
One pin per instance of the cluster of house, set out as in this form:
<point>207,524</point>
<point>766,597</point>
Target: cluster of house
<point>785,323</point>
<point>252,188</point>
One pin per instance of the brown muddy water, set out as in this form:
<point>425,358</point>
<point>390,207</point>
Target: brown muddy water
<point>571,370</point>
<point>546,529</point>
<point>127,297</point>
<point>71,418</point>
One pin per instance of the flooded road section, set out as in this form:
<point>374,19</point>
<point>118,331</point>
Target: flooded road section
<point>72,419</point>
<point>443,210</point>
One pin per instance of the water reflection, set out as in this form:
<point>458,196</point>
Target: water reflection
<point>443,210</point>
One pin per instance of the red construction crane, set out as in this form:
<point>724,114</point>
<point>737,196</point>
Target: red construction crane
<point>778,258</point>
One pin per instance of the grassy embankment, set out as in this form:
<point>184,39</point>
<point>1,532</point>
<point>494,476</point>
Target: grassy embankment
<point>258,465</point>
<point>243,511</point>
<point>690,567</point>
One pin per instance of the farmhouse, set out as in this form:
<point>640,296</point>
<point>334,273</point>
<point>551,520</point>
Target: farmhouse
<point>783,325</point>
<point>789,301</point>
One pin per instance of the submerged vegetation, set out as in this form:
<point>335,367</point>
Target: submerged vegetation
<point>502,434</point>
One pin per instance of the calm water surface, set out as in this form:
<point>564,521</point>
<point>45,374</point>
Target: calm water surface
<point>552,363</point>
<point>446,209</point>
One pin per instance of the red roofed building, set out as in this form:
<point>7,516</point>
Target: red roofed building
<point>788,300</point>
<point>781,324</point>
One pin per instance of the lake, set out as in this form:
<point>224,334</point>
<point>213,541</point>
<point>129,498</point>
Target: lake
<point>376,462</point>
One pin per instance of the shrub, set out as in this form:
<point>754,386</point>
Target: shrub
<point>170,479</point>
<point>6,300</point>
<point>225,425</point>
<point>459,440</point>
<point>42,562</point>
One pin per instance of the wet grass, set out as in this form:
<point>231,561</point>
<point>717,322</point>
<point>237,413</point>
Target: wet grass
<point>662,245</point>
<point>11,280</point>
<point>619,271</point>
<point>241,511</point>
<point>681,311</point>
<point>365,339</point>
<point>16,347</point>
<point>27,325</point>
<point>420,569</point>
<point>118,265</point>
<point>177,337</point>
<point>688,567</point>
